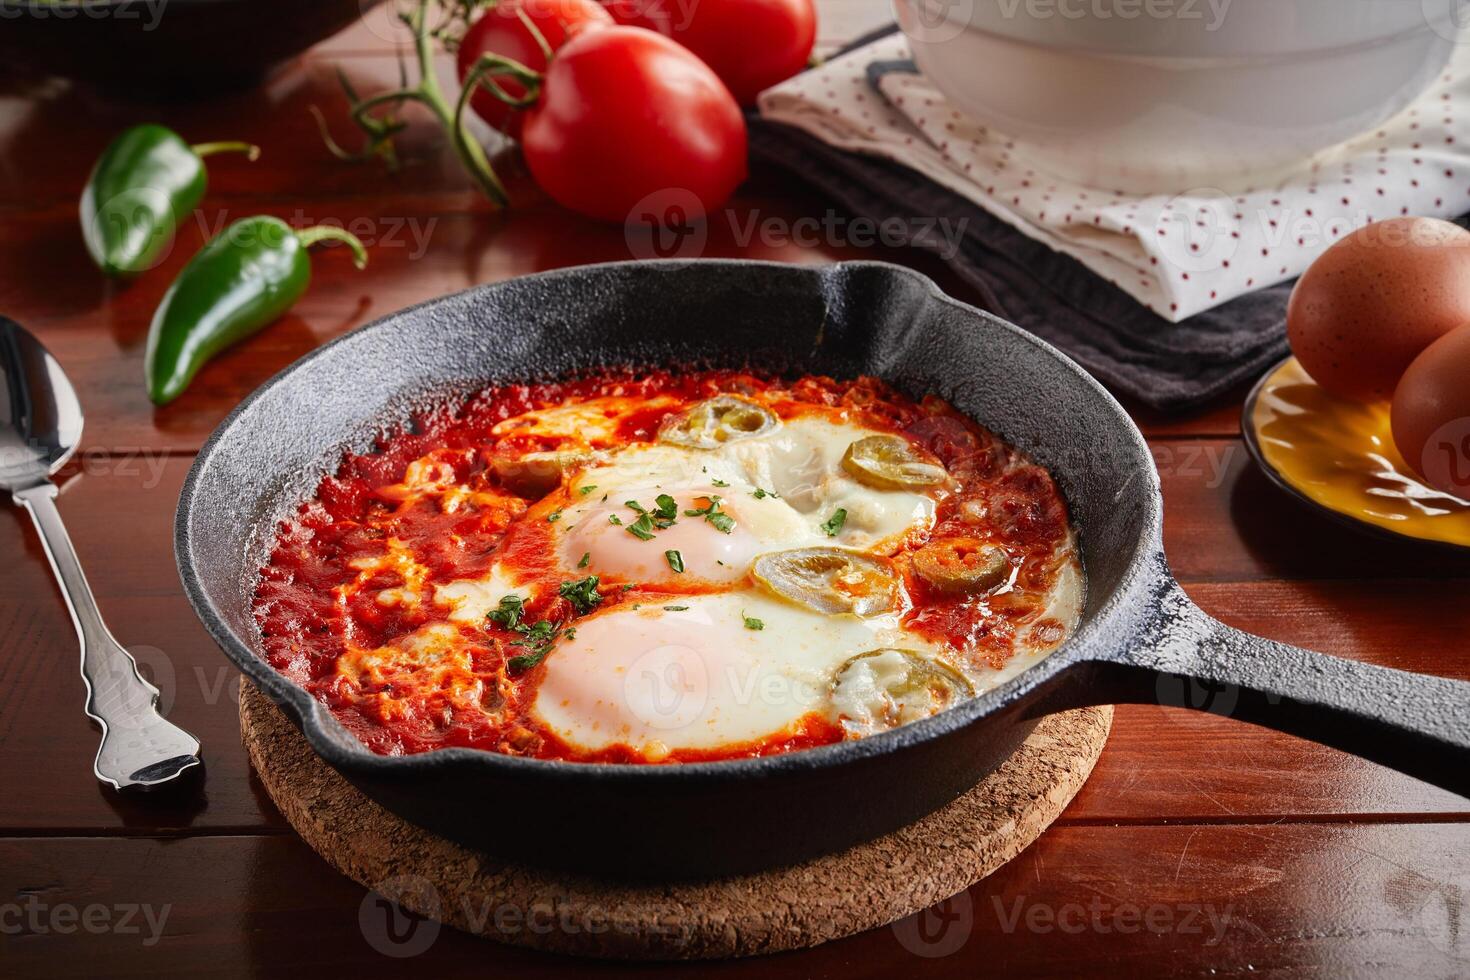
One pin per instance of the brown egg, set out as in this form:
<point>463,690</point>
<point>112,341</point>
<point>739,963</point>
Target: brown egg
<point>1375,299</point>
<point>1431,413</point>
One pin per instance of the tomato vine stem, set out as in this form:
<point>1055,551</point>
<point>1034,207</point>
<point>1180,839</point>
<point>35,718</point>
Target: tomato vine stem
<point>375,115</point>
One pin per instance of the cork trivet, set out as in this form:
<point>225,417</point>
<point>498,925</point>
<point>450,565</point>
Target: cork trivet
<point>826,898</point>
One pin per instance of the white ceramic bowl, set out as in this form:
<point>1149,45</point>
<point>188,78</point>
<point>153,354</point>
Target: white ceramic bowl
<point>1170,95</point>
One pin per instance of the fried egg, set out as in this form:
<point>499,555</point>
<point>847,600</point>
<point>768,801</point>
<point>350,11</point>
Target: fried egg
<point>693,672</point>
<point>779,490</point>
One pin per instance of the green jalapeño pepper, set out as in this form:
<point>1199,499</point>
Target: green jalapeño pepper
<point>140,189</point>
<point>242,280</point>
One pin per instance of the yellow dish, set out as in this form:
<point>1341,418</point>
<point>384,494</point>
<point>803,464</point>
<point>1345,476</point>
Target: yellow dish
<point>1340,455</point>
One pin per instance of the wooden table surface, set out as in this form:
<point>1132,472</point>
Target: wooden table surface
<point>1201,846</point>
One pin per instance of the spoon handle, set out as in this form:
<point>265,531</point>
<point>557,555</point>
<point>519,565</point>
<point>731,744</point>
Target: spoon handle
<point>140,748</point>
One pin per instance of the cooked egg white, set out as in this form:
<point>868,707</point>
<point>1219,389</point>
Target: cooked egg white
<point>658,678</point>
<point>707,553</point>
<point>471,600</point>
<point>779,489</point>
<point>689,673</point>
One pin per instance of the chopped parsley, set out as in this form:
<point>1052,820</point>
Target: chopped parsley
<point>584,491</point>
<point>751,623</point>
<point>537,641</point>
<point>553,517</point>
<point>675,608</point>
<point>586,559</point>
<point>675,560</point>
<point>582,594</point>
<point>720,483</point>
<point>537,634</point>
<point>614,519</point>
<point>642,528</point>
<point>526,661</point>
<point>509,613</point>
<point>760,494</point>
<point>834,523</point>
<point>723,522</point>
<point>538,638</point>
<point>664,515</point>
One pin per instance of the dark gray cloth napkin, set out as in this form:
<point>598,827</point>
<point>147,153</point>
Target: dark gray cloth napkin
<point>1170,366</point>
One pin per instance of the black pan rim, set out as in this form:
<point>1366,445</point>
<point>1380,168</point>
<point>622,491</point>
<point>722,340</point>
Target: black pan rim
<point>331,740</point>
<point>1253,446</point>
<point>107,4</point>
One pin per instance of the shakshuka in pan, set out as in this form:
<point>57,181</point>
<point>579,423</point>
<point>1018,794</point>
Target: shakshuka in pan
<point>668,568</point>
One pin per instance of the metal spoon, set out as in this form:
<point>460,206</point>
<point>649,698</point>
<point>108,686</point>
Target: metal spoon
<point>40,426</point>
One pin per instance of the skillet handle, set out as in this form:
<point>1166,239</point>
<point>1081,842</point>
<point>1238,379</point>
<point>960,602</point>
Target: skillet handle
<point>1415,723</point>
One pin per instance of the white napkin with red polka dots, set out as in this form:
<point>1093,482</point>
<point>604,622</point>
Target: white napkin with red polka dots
<point>1176,255</point>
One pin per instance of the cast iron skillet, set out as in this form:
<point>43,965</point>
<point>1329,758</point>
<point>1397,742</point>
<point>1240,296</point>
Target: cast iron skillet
<point>1141,639</point>
<point>177,49</point>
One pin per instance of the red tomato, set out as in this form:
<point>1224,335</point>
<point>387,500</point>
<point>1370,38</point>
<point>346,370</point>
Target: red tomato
<point>625,114</point>
<point>751,44</point>
<point>500,31</point>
